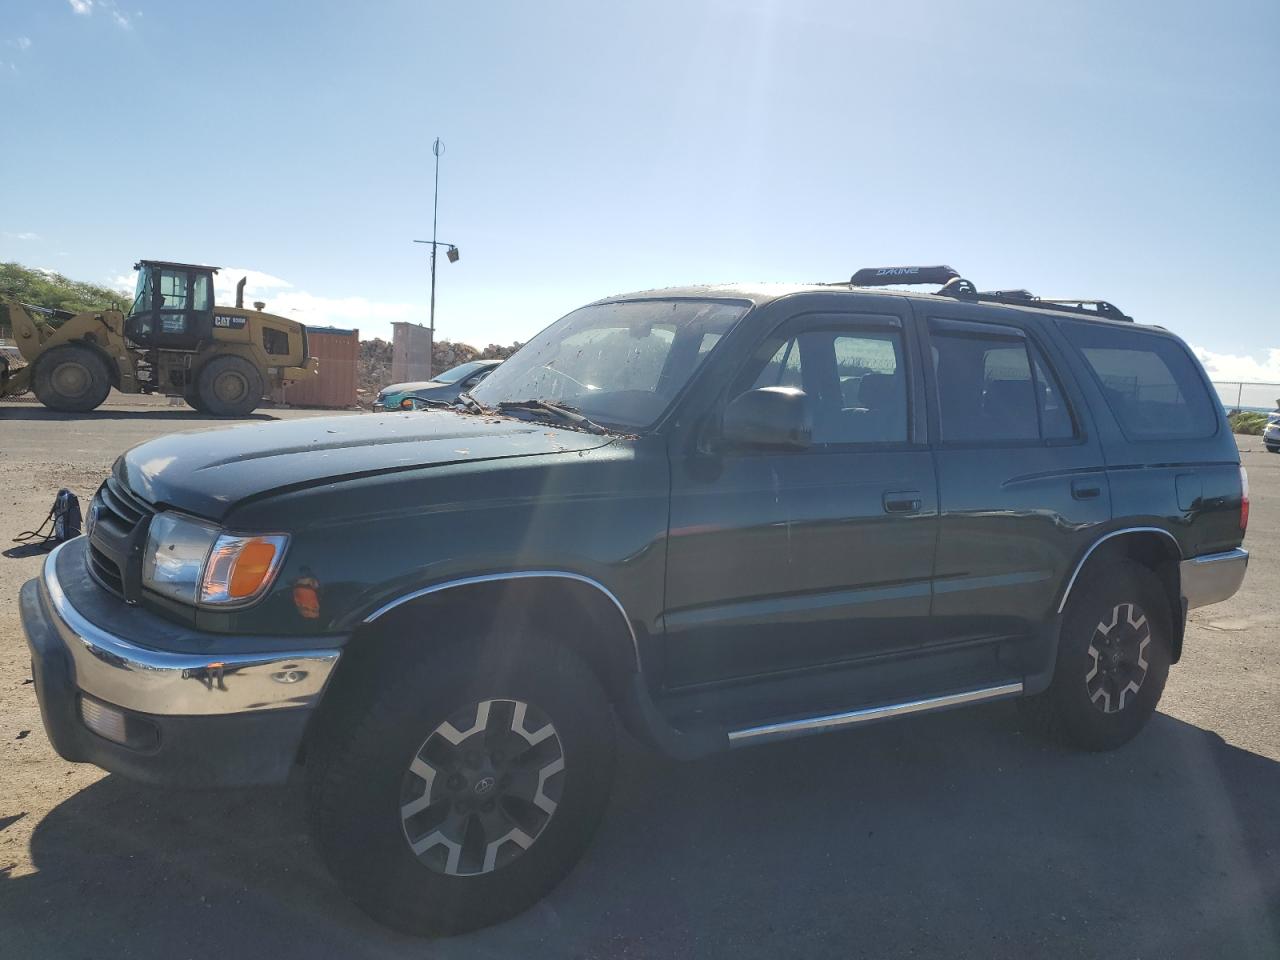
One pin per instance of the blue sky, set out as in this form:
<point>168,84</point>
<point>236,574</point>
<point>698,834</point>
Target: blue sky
<point>1126,151</point>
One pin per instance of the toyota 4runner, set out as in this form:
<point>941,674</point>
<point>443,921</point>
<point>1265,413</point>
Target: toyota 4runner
<point>723,516</point>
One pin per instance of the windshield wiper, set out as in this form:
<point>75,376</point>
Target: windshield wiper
<point>559,411</point>
<point>469,403</point>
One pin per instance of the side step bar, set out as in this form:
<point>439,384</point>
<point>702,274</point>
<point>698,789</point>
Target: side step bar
<point>834,721</point>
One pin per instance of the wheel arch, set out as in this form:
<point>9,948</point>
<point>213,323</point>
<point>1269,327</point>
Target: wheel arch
<point>1154,548</point>
<point>564,607</point>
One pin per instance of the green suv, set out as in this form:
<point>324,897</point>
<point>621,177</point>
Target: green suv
<point>721,516</point>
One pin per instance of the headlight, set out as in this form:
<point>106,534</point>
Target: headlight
<point>191,562</point>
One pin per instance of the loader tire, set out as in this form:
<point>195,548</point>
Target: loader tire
<point>71,379</point>
<point>192,397</point>
<point>229,387</point>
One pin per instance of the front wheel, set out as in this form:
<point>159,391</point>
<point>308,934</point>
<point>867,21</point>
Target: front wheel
<point>458,791</point>
<point>71,378</point>
<point>1113,660</point>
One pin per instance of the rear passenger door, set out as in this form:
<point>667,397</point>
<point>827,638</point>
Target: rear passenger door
<point>1021,479</point>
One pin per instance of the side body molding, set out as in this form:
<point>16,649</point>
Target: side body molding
<point>514,575</point>
<point>1075,574</point>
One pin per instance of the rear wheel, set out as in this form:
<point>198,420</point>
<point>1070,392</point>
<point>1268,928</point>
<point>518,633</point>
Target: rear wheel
<point>228,387</point>
<point>192,397</point>
<point>457,791</point>
<point>1273,448</point>
<point>1113,660</point>
<point>71,378</point>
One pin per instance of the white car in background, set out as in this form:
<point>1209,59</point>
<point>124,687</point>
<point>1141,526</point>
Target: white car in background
<point>1271,433</point>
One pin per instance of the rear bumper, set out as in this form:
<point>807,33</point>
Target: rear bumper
<point>1213,577</point>
<point>231,721</point>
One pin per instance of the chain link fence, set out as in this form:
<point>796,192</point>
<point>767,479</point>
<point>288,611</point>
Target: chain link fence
<point>1238,395</point>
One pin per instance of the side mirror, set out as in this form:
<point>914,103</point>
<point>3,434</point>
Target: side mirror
<point>774,417</point>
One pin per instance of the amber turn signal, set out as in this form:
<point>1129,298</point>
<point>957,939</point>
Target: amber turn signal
<point>240,569</point>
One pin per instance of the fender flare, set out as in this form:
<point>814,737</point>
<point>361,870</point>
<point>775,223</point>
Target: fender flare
<point>1075,574</point>
<point>513,575</point>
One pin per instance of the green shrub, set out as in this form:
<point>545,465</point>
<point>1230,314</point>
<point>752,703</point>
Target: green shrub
<point>1250,423</point>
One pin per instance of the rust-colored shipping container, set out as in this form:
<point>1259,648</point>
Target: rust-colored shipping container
<point>335,387</point>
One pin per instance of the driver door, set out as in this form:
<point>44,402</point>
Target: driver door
<point>781,560</point>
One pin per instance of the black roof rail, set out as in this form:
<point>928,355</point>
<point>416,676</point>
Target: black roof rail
<point>951,284</point>
<point>1024,298</point>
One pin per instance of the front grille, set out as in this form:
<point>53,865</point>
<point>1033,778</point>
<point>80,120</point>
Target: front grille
<point>116,541</point>
<point>105,570</point>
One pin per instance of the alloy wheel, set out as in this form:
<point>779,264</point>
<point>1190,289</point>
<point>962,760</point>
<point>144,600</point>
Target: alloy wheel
<point>482,787</point>
<point>1118,654</point>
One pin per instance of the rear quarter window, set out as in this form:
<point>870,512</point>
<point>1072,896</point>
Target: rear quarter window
<point>1150,382</point>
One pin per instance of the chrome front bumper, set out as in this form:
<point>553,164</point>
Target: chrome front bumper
<point>1213,577</point>
<point>167,683</point>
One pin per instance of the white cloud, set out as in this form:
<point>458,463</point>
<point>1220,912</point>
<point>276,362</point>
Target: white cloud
<point>82,7</point>
<point>23,236</point>
<point>258,285</point>
<point>283,299</point>
<point>1232,367</point>
<point>23,43</point>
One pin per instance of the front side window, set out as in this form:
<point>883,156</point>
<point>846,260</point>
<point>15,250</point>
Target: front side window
<point>854,378</point>
<point>142,298</point>
<point>620,364</point>
<point>1149,381</point>
<point>173,290</point>
<point>997,389</point>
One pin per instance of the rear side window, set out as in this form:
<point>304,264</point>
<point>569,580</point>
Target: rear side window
<point>1149,381</point>
<point>997,389</point>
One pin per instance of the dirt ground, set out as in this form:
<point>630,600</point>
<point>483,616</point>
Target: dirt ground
<point>945,836</point>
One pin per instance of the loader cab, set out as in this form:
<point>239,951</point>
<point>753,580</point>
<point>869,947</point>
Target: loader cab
<point>173,307</point>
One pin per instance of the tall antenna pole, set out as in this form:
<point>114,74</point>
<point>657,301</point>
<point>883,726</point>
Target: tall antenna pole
<point>437,148</point>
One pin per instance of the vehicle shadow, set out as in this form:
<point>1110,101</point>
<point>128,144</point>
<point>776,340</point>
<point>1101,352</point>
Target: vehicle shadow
<point>155,413</point>
<point>945,836</point>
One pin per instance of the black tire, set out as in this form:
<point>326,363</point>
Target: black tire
<point>192,398</point>
<point>71,379</point>
<point>365,803</point>
<point>229,386</point>
<point>1272,449</point>
<point>1115,636</point>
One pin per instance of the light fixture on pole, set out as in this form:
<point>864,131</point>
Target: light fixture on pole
<point>437,148</point>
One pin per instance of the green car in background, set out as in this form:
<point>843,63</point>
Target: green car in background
<point>445,387</point>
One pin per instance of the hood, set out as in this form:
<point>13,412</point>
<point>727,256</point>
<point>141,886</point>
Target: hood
<point>207,472</point>
<point>411,385</point>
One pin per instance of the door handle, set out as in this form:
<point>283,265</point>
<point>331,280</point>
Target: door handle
<point>902,501</point>
<point>1086,489</point>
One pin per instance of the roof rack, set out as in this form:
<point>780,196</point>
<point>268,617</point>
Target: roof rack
<point>884,276</point>
<point>1024,298</point>
<point>954,285</point>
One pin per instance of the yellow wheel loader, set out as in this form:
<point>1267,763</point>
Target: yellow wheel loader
<point>174,340</point>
